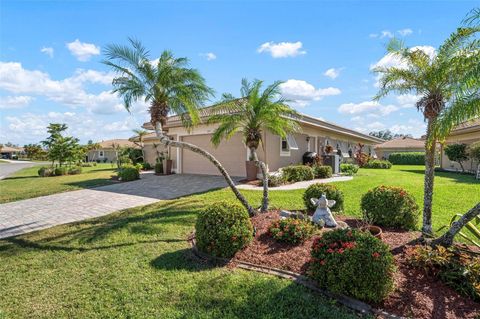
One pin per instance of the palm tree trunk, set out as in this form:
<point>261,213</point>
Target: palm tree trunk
<point>447,238</point>
<point>429,177</point>
<point>263,168</point>
<point>167,142</point>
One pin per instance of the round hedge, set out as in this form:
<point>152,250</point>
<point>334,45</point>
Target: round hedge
<point>330,191</point>
<point>354,263</point>
<point>223,229</point>
<point>61,170</point>
<point>321,171</point>
<point>391,207</point>
<point>291,230</point>
<point>128,173</point>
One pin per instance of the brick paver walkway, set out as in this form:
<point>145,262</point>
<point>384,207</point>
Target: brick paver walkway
<point>43,212</point>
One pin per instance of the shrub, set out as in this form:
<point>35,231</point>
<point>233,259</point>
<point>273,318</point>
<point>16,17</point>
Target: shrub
<point>86,164</point>
<point>354,263</point>
<point>474,151</point>
<point>322,171</point>
<point>407,158</point>
<point>138,166</point>
<point>128,173</point>
<point>99,161</point>
<point>94,163</point>
<point>75,170</point>
<point>330,191</point>
<point>291,230</point>
<point>223,229</point>
<point>349,169</point>
<point>390,206</point>
<point>457,153</point>
<point>146,166</point>
<point>159,168</point>
<point>298,173</point>
<point>45,171</point>
<point>274,180</point>
<point>378,164</point>
<point>61,170</point>
<point>457,269</point>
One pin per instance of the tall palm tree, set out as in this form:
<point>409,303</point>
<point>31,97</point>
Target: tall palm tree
<point>170,87</point>
<point>93,147</point>
<point>448,88</point>
<point>140,134</point>
<point>250,115</point>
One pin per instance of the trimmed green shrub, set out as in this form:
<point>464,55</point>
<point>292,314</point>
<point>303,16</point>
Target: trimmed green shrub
<point>159,168</point>
<point>86,164</point>
<point>45,171</point>
<point>298,173</point>
<point>378,164</point>
<point>223,229</point>
<point>407,158</point>
<point>291,230</point>
<point>146,166</point>
<point>354,263</point>
<point>458,269</point>
<point>321,171</point>
<point>349,169</point>
<point>274,180</point>
<point>138,166</point>
<point>75,170</point>
<point>390,206</point>
<point>331,192</point>
<point>61,170</point>
<point>128,173</point>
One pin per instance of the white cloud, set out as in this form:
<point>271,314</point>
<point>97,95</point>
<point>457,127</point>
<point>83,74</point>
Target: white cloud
<point>386,34</point>
<point>390,60</point>
<point>14,102</point>
<point>282,49</point>
<point>302,92</point>
<point>333,73</point>
<point>48,51</point>
<point>69,91</point>
<point>367,107</point>
<point>83,51</point>
<point>209,56</point>
<point>405,32</point>
<point>407,100</point>
<point>373,35</point>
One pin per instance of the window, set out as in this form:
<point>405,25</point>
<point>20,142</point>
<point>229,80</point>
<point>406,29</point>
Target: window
<point>100,153</point>
<point>287,144</point>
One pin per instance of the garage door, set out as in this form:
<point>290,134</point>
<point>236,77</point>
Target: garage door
<point>232,154</point>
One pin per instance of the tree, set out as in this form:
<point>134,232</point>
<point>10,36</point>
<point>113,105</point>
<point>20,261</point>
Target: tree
<point>60,148</point>
<point>447,84</point>
<point>457,153</point>
<point>387,135</point>
<point>170,87</point>
<point>141,137</point>
<point>93,147</point>
<point>34,151</point>
<point>250,115</point>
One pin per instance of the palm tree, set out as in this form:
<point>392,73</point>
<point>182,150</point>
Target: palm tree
<point>448,88</point>
<point>250,115</point>
<point>170,87</point>
<point>93,147</point>
<point>140,134</point>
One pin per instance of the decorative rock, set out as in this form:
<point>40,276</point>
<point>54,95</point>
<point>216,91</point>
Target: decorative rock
<point>323,211</point>
<point>285,213</point>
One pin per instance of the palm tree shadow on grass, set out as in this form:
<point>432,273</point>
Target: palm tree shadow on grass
<point>182,259</point>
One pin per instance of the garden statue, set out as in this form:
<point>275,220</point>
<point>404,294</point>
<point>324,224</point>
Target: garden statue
<point>323,213</point>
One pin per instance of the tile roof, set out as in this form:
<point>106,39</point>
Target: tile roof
<point>403,142</point>
<point>119,142</point>
<point>468,124</point>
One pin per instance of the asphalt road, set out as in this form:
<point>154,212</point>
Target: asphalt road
<point>7,169</point>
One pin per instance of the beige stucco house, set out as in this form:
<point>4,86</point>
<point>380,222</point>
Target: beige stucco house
<point>399,145</point>
<point>108,150</point>
<point>276,152</point>
<point>466,133</point>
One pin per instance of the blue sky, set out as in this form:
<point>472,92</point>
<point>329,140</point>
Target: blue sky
<point>50,55</point>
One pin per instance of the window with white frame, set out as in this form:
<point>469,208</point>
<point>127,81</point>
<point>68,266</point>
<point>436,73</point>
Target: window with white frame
<point>287,144</point>
<point>101,154</point>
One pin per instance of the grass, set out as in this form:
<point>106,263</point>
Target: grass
<point>27,184</point>
<point>137,264</point>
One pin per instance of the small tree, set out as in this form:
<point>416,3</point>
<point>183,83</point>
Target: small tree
<point>60,148</point>
<point>140,134</point>
<point>457,153</point>
<point>474,151</point>
<point>34,151</point>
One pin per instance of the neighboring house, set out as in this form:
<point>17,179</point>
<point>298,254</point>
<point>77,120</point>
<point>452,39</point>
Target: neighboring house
<point>465,133</point>
<point>9,152</point>
<point>108,150</point>
<point>315,134</point>
<point>399,145</point>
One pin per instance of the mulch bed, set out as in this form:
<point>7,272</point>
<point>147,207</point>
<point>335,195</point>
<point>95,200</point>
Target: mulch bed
<point>416,295</point>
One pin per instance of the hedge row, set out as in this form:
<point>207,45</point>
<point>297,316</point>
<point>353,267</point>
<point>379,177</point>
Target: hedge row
<point>407,158</point>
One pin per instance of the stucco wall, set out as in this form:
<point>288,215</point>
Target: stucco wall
<point>468,138</point>
<point>108,154</point>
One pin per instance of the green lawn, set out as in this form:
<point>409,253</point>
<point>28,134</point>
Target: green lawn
<point>27,184</point>
<point>137,264</point>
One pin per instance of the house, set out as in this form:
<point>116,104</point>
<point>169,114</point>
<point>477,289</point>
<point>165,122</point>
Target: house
<point>399,145</point>
<point>276,152</point>
<point>9,152</point>
<point>465,133</point>
<point>108,150</point>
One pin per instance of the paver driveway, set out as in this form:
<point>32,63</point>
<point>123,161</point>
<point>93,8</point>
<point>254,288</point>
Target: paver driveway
<point>42,212</point>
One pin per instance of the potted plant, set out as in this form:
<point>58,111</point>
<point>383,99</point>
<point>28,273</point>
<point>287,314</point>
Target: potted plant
<point>251,169</point>
<point>168,165</point>
<point>367,226</point>
<point>328,149</point>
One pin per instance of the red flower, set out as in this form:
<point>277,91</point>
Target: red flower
<point>330,250</point>
<point>322,262</point>
<point>375,255</point>
<point>340,250</point>
<point>332,245</point>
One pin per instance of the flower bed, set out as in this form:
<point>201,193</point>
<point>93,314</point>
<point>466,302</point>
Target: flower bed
<point>416,294</point>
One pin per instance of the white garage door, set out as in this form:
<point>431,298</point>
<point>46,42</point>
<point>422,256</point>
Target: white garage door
<point>232,154</point>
